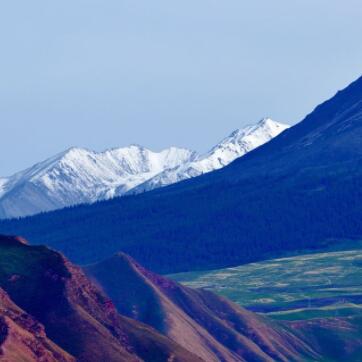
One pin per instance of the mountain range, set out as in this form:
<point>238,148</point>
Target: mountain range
<point>237,144</point>
<point>118,311</point>
<point>78,176</point>
<point>300,191</point>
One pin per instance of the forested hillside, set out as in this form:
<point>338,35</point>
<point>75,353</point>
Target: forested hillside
<point>301,190</point>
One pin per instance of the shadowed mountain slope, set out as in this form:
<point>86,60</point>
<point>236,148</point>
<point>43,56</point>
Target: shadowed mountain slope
<point>75,314</point>
<point>301,190</point>
<point>200,321</point>
<point>216,329</point>
<point>22,338</point>
<point>336,339</point>
<point>183,325</point>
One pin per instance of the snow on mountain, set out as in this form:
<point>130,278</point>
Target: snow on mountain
<point>3,182</point>
<point>236,145</point>
<point>82,176</point>
<point>78,175</point>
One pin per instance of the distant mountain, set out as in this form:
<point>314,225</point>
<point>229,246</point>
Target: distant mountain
<point>302,190</point>
<point>230,148</point>
<point>79,176</point>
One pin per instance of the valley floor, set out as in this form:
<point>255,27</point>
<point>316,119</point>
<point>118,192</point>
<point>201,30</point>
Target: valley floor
<point>303,287</point>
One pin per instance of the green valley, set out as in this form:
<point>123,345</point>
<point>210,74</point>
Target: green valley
<point>300,287</point>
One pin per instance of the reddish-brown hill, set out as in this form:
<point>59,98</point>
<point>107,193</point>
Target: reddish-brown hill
<point>76,315</point>
<point>22,338</point>
<point>200,321</point>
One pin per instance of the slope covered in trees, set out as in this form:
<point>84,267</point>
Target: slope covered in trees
<point>301,190</point>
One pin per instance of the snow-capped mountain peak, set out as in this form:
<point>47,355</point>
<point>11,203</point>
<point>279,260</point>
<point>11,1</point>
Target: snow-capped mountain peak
<point>78,175</point>
<point>237,144</point>
<point>244,140</point>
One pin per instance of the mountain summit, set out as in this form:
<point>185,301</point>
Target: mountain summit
<point>301,190</point>
<point>78,176</point>
<point>237,144</point>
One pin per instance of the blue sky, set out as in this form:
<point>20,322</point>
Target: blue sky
<point>108,73</point>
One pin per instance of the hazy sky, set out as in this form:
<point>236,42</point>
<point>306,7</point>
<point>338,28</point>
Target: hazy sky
<point>108,73</point>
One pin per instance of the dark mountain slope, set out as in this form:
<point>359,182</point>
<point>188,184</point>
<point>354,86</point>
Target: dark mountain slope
<point>336,339</point>
<point>76,315</point>
<point>200,321</point>
<point>22,338</point>
<point>216,329</point>
<point>301,190</point>
<point>193,325</point>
